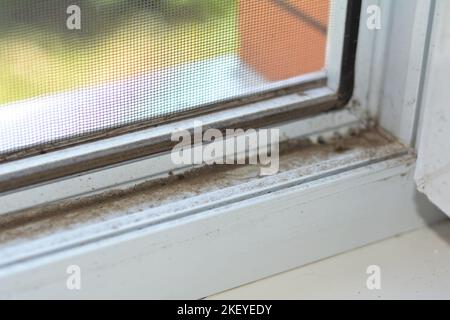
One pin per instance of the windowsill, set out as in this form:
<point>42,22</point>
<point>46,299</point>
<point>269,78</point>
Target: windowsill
<point>165,199</point>
<point>327,199</point>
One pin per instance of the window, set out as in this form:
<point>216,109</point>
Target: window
<point>99,191</point>
<point>71,70</point>
<point>90,85</point>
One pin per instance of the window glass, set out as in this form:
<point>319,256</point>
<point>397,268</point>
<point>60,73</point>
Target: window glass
<point>69,68</point>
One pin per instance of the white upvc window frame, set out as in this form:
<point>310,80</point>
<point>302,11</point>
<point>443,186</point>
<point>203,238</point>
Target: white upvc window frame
<point>433,164</point>
<point>21,183</point>
<point>166,258</point>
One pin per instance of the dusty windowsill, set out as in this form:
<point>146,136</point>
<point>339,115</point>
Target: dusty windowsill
<point>201,187</point>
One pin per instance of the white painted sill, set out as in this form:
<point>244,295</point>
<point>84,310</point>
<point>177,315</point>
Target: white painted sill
<point>218,229</point>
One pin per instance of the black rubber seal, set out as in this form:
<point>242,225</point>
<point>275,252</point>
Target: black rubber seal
<point>347,79</point>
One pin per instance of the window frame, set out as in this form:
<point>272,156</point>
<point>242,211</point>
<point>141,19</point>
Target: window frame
<point>432,173</point>
<point>378,199</point>
<point>262,110</point>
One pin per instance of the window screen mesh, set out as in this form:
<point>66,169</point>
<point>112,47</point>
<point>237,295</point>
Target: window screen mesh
<point>71,68</point>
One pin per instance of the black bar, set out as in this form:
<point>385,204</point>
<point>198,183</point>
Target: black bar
<point>347,81</point>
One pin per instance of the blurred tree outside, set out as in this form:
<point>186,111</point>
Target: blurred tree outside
<point>118,39</point>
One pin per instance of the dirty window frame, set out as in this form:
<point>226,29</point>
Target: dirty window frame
<point>371,186</point>
<point>318,97</point>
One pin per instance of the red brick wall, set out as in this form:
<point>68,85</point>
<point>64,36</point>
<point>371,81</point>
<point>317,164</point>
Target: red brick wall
<point>278,44</point>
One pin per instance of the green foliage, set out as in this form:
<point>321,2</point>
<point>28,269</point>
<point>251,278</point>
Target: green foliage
<point>39,56</point>
<point>98,13</point>
<point>195,9</point>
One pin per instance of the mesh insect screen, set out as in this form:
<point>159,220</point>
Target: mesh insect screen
<point>70,68</point>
